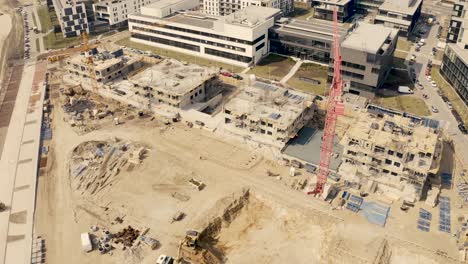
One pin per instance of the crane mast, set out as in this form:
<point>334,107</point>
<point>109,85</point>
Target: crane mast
<point>335,107</point>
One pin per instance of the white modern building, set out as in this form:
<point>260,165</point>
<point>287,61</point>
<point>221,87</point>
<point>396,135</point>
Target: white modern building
<point>72,17</point>
<point>239,39</point>
<point>226,7</point>
<point>115,12</point>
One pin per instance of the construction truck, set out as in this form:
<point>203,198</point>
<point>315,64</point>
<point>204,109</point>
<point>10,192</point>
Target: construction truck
<point>191,238</point>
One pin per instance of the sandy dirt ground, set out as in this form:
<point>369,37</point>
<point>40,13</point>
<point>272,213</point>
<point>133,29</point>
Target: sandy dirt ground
<point>279,225</point>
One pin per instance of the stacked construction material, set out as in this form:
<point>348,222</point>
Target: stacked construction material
<point>354,203</point>
<point>375,213</point>
<point>424,220</point>
<point>444,216</point>
<point>463,191</point>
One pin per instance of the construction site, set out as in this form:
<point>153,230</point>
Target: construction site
<point>146,159</point>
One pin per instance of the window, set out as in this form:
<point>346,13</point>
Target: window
<point>394,173</point>
<point>397,164</point>
<point>262,131</point>
<point>400,155</point>
<point>166,42</point>
<point>385,171</point>
<point>260,46</point>
<point>227,120</point>
<point>228,55</point>
<point>270,125</point>
<point>387,161</point>
<point>375,70</point>
<point>269,133</point>
<point>391,152</point>
<point>227,111</point>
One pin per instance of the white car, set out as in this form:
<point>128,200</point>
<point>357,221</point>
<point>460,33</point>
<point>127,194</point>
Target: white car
<point>163,259</point>
<point>434,109</point>
<point>428,77</point>
<point>449,105</point>
<point>434,84</point>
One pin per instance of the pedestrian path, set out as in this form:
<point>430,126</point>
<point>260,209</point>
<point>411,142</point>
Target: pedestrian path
<point>292,72</point>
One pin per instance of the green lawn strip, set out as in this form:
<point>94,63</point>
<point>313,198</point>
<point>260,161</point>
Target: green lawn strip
<point>273,67</point>
<point>407,103</point>
<point>306,76</point>
<point>451,94</point>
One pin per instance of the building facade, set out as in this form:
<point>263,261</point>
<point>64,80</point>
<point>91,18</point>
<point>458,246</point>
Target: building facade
<point>307,40</point>
<point>72,17</point>
<point>399,14</point>
<point>239,39</point>
<point>226,7</point>
<point>459,24</point>
<point>323,9</point>
<point>366,55</point>
<point>455,69</point>
<point>115,12</point>
<point>394,152</point>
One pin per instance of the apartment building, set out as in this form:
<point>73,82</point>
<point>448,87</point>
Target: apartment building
<point>71,16</point>
<point>392,152</point>
<point>226,7</point>
<point>323,9</point>
<point>268,114</point>
<point>366,55</point>
<point>455,60</point>
<point>399,14</point>
<point>239,39</point>
<point>115,12</point>
<point>107,65</point>
<point>305,39</point>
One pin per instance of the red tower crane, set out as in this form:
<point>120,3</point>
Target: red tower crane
<point>335,107</point>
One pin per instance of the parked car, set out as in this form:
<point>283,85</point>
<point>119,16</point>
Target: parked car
<point>163,259</point>
<point>434,84</point>
<point>237,77</point>
<point>449,105</point>
<point>434,109</point>
<point>428,77</point>
<point>462,128</point>
<point>227,74</point>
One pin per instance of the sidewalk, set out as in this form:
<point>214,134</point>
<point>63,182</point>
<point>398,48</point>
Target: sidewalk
<point>292,72</point>
<point>19,164</point>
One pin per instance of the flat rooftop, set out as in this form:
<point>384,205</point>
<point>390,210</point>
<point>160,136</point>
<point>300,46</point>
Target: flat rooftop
<point>312,28</point>
<point>395,132</point>
<point>368,37</point>
<point>333,2</point>
<point>174,77</point>
<point>250,16</point>
<point>102,62</point>
<point>401,6</point>
<point>268,102</point>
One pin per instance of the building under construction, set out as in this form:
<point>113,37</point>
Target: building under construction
<point>107,65</point>
<point>392,153</point>
<point>267,113</point>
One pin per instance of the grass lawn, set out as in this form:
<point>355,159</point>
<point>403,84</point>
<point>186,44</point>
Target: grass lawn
<point>273,67</point>
<point>400,54</point>
<point>301,11</point>
<point>57,41</point>
<point>406,103</point>
<point>177,55</point>
<point>451,94</point>
<point>403,44</point>
<point>46,18</point>
<point>310,71</point>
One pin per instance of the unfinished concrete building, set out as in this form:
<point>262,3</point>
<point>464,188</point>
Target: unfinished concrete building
<point>169,83</point>
<point>267,113</point>
<point>107,65</point>
<point>391,153</point>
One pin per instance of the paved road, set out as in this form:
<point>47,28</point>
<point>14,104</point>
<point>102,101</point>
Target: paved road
<point>444,114</point>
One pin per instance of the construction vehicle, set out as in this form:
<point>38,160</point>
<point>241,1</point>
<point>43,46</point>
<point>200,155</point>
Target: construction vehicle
<point>191,238</point>
<point>335,108</point>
